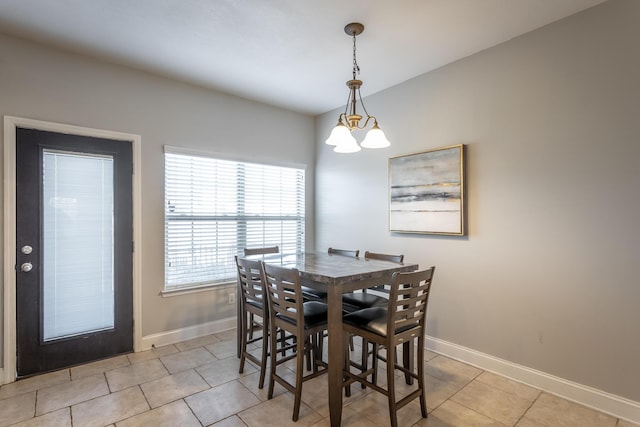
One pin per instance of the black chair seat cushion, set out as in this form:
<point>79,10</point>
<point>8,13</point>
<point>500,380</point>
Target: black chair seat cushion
<point>255,303</point>
<point>313,294</point>
<point>315,313</point>
<point>372,319</point>
<point>364,300</point>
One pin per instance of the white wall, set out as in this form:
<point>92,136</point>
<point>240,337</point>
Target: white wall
<point>547,276</point>
<point>46,84</point>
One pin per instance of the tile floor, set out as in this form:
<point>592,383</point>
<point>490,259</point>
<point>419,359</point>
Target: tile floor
<point>196,383</point>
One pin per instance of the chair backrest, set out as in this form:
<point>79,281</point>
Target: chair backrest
<point>385,257</point>
<point>344,252</point>
<point>262,251</point>
<point>408,300</point>
<point>251,288</point>
<point>284,292</point>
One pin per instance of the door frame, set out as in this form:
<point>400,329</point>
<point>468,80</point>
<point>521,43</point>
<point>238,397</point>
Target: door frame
<point>8,370</point>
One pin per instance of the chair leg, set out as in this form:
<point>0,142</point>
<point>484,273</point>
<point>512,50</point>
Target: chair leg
<point>320,349</point>
<point>243,341</point>
<point>391,388</point>
<point>266,342</point>
<point>272,369</point>
<point>407,357</point>
<point>283,342</point>
<point>364,358</point>
<point>314,352</point>
<point>347,361</point>
<point>374,364</point>
<point>420,362</point>
<point>307,353</point>
<point>300,355</point>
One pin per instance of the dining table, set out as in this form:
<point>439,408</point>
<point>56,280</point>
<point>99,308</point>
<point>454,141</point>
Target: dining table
<point>335,275</point>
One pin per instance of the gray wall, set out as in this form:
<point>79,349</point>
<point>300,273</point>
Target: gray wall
<point>547,276</point>
<point>42,83</point>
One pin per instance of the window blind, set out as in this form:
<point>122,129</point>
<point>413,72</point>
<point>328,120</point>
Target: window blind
<point>214,208</point>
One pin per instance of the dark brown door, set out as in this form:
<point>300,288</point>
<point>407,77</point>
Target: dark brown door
<point>74,260</point>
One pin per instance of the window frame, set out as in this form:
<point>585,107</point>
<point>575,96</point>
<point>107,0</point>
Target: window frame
<point>240,219</point>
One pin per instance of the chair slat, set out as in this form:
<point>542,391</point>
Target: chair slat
<point>262,251</point>
<point>344,252</point>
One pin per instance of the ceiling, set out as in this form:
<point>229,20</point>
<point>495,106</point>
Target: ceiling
<point>289,53</point>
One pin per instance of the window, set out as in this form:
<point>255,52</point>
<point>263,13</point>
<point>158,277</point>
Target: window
<point>214,208</point>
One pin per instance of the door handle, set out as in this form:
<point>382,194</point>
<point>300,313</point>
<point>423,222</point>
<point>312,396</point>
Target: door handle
<point>26,267</point>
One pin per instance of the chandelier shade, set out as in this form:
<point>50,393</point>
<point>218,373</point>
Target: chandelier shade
<point>348,121</point>
<point>375,138</point>
<point>339,134</point>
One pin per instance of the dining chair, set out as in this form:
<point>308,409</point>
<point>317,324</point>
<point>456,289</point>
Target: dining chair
<point>252,294</point>
<point>258,251</point>
<point>358,300</point>
<point>401,321</point>
<point>353,301</point>
<point>316,295</point>
<point>306,321</point>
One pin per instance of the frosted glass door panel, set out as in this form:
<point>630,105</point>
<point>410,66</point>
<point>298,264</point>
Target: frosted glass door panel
<point>78,237</point>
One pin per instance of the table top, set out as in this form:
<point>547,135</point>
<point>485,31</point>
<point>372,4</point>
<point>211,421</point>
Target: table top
<point>336,269</point>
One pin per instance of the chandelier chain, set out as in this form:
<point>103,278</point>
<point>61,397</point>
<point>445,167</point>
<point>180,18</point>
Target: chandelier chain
<point>356,67</point>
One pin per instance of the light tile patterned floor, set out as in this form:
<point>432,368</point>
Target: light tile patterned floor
<point>196,383</point>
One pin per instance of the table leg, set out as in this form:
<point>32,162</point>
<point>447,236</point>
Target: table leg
<point>334,300</point>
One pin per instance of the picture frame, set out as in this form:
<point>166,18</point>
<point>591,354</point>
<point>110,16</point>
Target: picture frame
<point>427,192</point>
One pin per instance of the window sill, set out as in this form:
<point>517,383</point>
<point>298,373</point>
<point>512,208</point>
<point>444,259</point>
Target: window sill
<point>197,289</point>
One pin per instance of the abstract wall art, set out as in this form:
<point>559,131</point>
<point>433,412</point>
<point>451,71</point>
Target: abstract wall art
<point>426,192</point>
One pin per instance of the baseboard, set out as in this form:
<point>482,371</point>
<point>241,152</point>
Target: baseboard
<point>616,406</point>
<point>190,332</point>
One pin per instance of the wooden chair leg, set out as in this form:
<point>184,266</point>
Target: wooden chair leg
<point>272,370</point>
<point>283,342</point>
<point>320,348</point>
<point>374,364</point>
<point>314,352</point>
<point>407,357</point>
<point>266,342</point>
<point>251,324</point>
<point>347,361</point>
<point>391,388</point>
<point>243,341</point>
<point>364,358</point>
<point>300,355</point>
<point>420,362</point>
<point>307,353</point>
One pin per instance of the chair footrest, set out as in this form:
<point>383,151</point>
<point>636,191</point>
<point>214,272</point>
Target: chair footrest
<point>361,378</point>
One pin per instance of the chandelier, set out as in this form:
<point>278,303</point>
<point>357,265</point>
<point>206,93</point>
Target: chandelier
<point>349,121</point>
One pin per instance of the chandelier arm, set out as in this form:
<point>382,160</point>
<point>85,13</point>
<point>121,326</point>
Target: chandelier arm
<point>363,107</point>
<point>366,122</point>
<point>346,107</point>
